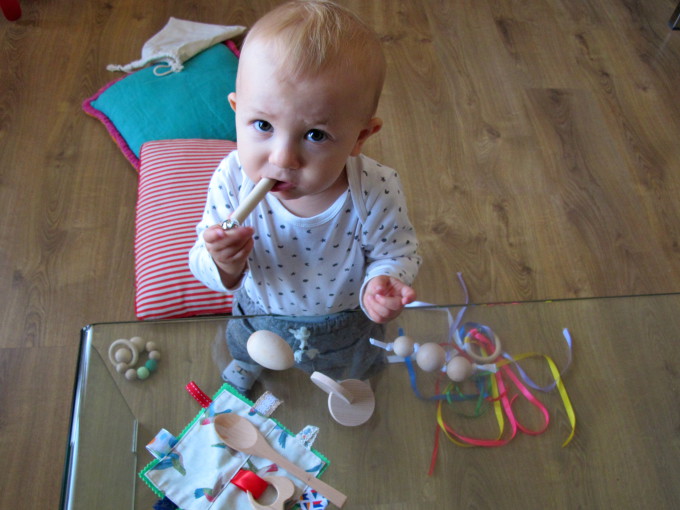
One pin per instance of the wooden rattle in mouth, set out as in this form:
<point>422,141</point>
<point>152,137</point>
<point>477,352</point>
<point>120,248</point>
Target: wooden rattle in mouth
<point>246,207</point>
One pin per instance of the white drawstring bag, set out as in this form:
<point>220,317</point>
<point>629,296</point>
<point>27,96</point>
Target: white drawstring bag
<point>178,41</point>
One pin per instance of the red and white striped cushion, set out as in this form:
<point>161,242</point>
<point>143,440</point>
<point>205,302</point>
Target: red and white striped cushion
<point>173,183</point>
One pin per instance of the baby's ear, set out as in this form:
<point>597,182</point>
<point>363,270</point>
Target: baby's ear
<point>232,100</point>
<point>374,125</point>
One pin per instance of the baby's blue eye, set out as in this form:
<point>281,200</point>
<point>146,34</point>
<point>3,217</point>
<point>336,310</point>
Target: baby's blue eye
<point>262,125</point>
<point>316,135</point>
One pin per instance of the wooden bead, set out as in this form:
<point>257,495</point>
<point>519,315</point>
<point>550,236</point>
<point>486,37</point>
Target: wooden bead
<point>431,357</point>
<point>123,356</point>
<point>155,355</point>
<point>131,374</point>
<point>121,367</point>
<point>151,346</point>
<point>459,369</point>
<point>138,342</point>
<point>403,346</point>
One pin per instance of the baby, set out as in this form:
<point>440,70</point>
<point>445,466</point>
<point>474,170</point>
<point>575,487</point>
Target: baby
<point>332,238</point>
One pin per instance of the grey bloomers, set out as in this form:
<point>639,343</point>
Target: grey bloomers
<point>336,345</point>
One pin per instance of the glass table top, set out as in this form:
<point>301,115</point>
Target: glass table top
<point>623,383</point>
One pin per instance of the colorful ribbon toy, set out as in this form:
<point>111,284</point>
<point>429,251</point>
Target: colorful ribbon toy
<point>495,389</point>
<point>496,385</point>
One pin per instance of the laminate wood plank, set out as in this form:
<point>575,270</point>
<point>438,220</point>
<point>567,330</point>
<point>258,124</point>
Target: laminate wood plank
<point>35,404</point>
<point>498,148</point>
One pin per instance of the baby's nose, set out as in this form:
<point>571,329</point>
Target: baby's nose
<point>285,155</point>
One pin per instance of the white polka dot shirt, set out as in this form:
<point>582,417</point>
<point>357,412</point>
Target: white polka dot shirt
<point>317,265</point>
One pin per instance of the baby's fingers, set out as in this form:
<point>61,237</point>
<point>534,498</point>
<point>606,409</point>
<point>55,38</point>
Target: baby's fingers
<point>376,312</point>
<point>408,295</point>
<point>389,303</point>
<point>218,238</point>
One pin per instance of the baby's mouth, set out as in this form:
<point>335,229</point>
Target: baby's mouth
<point>282,186</point>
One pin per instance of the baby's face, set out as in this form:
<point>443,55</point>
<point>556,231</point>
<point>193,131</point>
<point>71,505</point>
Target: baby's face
<point>299,132</point>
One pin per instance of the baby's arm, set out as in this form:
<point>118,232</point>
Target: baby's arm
<point>391,247</point>
<point>229,249</point>
<point>218,258</point>
<point>385,297</point>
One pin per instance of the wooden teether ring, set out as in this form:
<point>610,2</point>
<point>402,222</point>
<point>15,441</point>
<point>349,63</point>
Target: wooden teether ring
<point>284,491</point>
<point>133,351</point>
<point>478,358</point>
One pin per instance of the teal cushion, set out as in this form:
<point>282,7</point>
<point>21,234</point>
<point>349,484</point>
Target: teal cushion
<point>192,103</point>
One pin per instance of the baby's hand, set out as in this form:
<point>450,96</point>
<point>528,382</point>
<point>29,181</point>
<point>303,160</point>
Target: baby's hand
<point>385,298</point>
<point>229,249</point>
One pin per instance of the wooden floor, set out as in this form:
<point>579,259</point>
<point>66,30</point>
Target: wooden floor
<point>538,142</point>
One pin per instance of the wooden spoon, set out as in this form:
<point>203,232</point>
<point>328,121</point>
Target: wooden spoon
<point>241,435</point>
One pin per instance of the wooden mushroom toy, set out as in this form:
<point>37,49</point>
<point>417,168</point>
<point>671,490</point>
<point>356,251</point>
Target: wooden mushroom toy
<point>351,402</point>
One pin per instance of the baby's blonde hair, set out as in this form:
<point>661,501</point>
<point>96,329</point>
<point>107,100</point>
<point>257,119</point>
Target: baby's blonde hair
<point>314,36</point>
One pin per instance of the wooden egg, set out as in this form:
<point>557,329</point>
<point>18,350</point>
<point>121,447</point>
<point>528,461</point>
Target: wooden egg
<point>270,350</point>
<point>430,357</point>
<point>459,369</point>
<point>403,346</point>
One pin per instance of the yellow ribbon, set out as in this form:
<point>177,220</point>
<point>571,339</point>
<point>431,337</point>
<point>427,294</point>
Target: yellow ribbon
<point>498,408</point>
